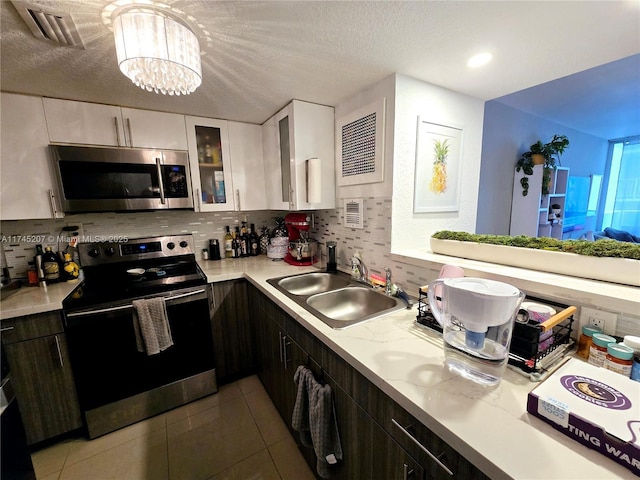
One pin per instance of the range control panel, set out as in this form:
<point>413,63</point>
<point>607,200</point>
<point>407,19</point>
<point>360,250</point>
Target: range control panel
<point>100,253</point>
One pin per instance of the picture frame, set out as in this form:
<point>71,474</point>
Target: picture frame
<point>438,168</point>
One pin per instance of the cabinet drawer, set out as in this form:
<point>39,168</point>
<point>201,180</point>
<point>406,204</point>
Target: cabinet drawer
<point>31,326</point>
<point>439,459</point>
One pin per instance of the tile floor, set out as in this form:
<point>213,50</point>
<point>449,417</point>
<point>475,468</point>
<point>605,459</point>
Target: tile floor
<point>236,434</point>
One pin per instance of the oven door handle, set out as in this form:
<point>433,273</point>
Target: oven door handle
<point>130,305</point>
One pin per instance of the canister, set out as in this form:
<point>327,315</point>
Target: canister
<point>598,350</point>
<point>585,340</point>
<point>619,359</point>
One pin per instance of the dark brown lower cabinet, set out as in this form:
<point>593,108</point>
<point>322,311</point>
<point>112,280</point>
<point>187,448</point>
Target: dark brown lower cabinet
<point>231,331</point>
<point>374,444</point>
<point>36,351</point>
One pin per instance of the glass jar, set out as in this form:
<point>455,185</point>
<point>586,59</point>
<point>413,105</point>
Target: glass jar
<point>585,340</point>
<point>598,350</point>
<point>619,359</point>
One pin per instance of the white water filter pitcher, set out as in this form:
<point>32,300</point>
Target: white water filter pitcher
<point>477,321</point>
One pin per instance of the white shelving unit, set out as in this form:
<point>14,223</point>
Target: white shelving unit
<point>530,215</point>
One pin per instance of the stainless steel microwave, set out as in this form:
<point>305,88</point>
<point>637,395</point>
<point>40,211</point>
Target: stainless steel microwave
<point>95,179</point>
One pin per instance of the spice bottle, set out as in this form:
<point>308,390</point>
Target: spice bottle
<point>619,359</point>
<point>598,350</point>
<point>585,340</point>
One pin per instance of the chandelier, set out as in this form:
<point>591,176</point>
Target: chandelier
<point>156,52</point>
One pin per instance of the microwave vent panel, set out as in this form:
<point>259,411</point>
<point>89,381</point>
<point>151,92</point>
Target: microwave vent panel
<point>361,145</point>
<point>353,213</point>
<point>48,24</point>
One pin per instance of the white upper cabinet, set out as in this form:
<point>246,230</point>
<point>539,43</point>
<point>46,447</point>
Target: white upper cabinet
<point>210,161</point>
<point>299,157</point>
<point>245,145</point>
<point>26,190</point>
<point>95,124</point>
<point>147,129</point>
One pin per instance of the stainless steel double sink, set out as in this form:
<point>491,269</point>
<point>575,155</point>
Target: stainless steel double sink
<point>335,298</point>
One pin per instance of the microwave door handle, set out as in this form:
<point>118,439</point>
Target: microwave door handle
<point>160,181</point>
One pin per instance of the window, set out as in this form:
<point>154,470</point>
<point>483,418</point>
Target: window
<point>622,202</point>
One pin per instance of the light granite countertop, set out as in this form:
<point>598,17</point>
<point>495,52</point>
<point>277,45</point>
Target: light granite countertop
<point>488,426</point>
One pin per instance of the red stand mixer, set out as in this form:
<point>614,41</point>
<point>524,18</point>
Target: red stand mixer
<point>302,250</point>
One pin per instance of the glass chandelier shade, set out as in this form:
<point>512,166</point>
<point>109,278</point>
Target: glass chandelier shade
<point>157,53</point>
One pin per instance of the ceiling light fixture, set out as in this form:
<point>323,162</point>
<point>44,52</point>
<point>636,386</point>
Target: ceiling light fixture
<point>479,60</point>
<point>156,52</point>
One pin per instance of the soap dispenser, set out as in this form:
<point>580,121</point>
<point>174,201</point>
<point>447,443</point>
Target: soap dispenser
<point>332,266</point>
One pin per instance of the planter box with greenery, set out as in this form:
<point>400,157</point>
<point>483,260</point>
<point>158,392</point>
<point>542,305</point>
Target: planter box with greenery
<point>606,260</point>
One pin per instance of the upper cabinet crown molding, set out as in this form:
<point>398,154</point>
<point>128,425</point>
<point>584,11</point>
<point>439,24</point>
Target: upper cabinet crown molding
<point>86,123</point>
<point>298,146</point>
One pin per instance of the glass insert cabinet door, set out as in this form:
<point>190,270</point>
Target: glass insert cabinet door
<point>210,162</point>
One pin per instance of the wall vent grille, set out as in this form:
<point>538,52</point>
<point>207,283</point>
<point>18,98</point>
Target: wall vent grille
<point>359,146</point>
<point>360,155</point>
<point>57,27</point>
<point>353,213</point>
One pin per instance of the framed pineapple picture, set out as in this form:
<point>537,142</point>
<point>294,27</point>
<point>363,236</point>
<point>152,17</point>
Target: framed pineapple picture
<point>437,174</point>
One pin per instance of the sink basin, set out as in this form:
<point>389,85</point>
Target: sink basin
<point>312,283</point>
<point>335,298</point>
<point>347,306</point>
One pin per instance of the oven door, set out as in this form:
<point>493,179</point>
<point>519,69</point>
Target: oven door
<point>118,385</point>
<point>92,179</point>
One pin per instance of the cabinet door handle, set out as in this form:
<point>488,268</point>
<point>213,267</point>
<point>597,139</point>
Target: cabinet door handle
<point>7,329</point>
<point>59,351</point>
<point>160,180</point>
<point>115,120</point>
<point>291,206</point>
<point>129,130</point>
<point>284,351</point>
<point>422,447</point>
<point>199,198</point>
<point>238,207</point>
<point>52,202</point>
<point>406,473</point>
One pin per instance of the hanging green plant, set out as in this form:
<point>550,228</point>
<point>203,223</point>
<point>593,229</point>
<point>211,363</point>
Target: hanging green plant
<point>551,153</point>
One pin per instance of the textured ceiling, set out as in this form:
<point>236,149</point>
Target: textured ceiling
<point>263,54</point>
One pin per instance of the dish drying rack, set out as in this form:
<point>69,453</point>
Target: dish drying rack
<point>525,354</point>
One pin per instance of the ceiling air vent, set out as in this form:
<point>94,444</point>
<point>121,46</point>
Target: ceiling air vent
<point>353,213</point>
<point>47,24</point>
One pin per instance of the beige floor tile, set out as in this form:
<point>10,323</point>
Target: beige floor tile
<point>83,448</point>
<point>207,448</point>
<point>143,458</point>
<point>269,422</point>
<point>51,459</point>
<point>250,384</point>
<point>51,476</point>
<point>289,461</point>
<point>224,394</point>
<point>257,467</point>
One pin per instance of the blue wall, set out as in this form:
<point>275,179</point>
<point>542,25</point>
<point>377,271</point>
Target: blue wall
<point>508,133</point>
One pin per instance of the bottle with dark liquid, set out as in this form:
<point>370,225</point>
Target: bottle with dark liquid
<point>254,241</point>
<point>51,266</point>
<point>238,240</point>
<point>244,241</point>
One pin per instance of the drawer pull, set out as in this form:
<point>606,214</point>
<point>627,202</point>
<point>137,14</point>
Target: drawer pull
<point>422,447</point>
<point>6,329</point>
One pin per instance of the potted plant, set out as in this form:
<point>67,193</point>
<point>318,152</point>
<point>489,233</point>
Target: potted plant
<point>546,154</point>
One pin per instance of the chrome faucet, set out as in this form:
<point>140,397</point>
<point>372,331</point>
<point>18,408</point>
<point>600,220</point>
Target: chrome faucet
<point>388,284</point>
<point>363,271</point>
